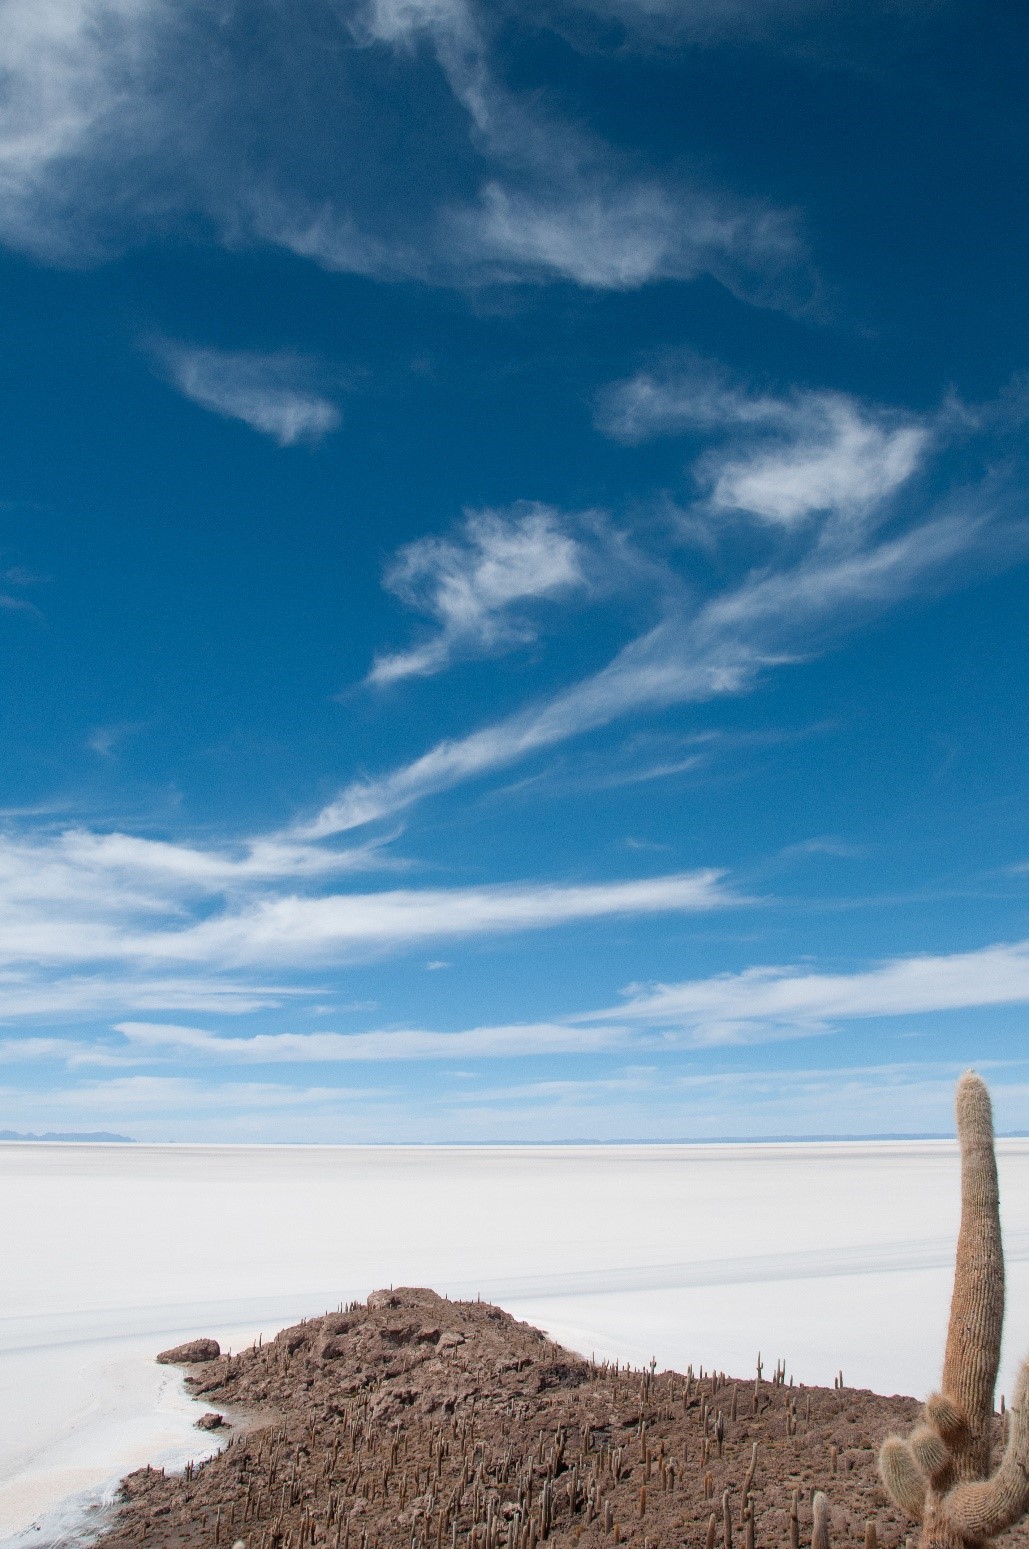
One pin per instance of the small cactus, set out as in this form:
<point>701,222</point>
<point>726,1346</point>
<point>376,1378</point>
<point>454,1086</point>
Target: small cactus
<point>748,1481</point>
<point>940,1475</point>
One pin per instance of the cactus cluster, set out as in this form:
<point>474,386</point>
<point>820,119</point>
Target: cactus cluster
<point>940,1475</point>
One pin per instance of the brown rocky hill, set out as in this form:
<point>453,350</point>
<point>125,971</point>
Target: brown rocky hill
<point>414,1422</point>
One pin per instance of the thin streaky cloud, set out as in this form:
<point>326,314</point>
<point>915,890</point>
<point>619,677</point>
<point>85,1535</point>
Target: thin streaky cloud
<point>760,1005</point>
<point>119,872</point>
<point>11,604</point>
<point>97,922</point>
<point>27,994</point>
<point>183,1094</point>
<point>515,1042</point>
<point>697,396</point>
<point>268,392</point>
<point>116,121</point>
<point>299,931</point>
<point>560,204</point>
<point>87,956</point>
<point>772,618</point>
<point>731,1007</point>
<point>756,1006</point>
<point>840,552</point>
<point>613,233</point>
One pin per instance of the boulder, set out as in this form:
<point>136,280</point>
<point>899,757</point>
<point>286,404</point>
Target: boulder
<point>379,1299</point>
<point>191,1353</point>
<point>211,1421</point>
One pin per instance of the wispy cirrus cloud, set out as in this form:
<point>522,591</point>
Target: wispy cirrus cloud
<point>558,203</point>
<point>120,118</point>
<point>769,1002</point>
<point>757,1006</point>
<point>610,232</point>
<point>852,504</point>
<point>97,922</point>
<point>479,585</point>
<point>637,1103</point>
<point>125,872</point>
<point>788,457</point>
<point>299,931</point>
<point>31,992</point>
<point>514,1042</point>
<point>268,392</point>
<point>174,1095</point>
<point>769,620</point>
<point>73,73</point>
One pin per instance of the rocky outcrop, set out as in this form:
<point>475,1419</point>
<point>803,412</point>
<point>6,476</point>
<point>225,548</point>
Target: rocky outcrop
<point>414,1422</point>
<point>193,1353</point>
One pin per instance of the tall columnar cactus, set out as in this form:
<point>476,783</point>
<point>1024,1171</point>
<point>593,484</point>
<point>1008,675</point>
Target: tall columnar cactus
<point>941,1475</point>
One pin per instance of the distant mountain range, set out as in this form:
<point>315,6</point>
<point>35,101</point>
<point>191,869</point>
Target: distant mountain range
<point>79,1135</point>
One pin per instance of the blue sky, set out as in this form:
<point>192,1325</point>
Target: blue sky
<point>513,552</point>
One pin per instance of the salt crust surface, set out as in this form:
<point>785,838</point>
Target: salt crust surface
<point>830,1256</point>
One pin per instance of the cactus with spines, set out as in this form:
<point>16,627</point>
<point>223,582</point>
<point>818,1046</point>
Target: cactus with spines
<point>940,1475</point>
<point>748,1481</point>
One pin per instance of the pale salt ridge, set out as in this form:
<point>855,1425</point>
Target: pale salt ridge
<point>827,1255</point>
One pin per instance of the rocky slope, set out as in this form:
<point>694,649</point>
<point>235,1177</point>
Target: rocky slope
<point>413,1422</point>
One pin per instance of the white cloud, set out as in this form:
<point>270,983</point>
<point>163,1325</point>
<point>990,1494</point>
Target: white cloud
<point>121,874</point>
<point>618,233</point>
<point>102,890</point>
<point>297,931</point>
<point>826,483</point>
<point>265,391</point>
<point>635,1103</point>
<point>35,992</point>
<point>477,585</point>
<point>561,204</point>
<point>807,453</point>
<point>514,1042</point>
<point>764,1003</point>
<point>843,463</point>
<point>119,118</point>
<point>72,71</point>
<point>24,1051</point>
<point>771,617</point>
<point>173,1095</point>
<point>94,923</point>
<point>699,397</point>
<point>758,1005</point>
